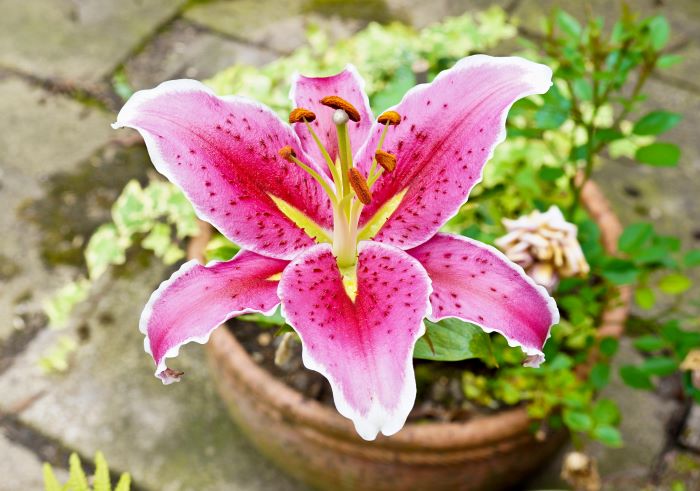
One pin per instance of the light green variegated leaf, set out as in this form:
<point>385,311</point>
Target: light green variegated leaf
<point>130,213</point>
<point>172,254</point>
<point>62,302</point>
<point>311,228</point>
<point>106,247</point>
<point>375,223</point>
<point>158,195</point>
<point>158,239</point>
<point>180,212</point>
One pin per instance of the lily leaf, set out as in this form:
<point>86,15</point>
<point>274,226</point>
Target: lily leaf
<point>454,340</point>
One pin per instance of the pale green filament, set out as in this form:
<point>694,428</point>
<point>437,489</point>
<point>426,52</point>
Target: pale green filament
<point>326,156</point>
<point>347,208</point>
<point>319,179</point>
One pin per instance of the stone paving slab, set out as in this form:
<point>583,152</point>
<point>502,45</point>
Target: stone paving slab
<point>184,51</point>
<point>420,13</point>
<point>21,469</point>
<point>43,133</point>
<point>171,438</point>
<point>40,134</point>
<point>76,41</point>
<point>280,26</point>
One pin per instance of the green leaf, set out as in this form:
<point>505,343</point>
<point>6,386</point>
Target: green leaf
<point>656,122</point>
<point>158,240</point>
<point>398,85</point>
<point>568,24</point>
<point>547,173</point>
<point>620,271</point>
<point>644,297</point>
<point>649,343</point>
<point>666,61</point>
<point>582,89</point>
<point>50,481</point>
<point>660,366</point>
<point>578,421</point>
<point>454,340</point>
<point>275,319</point>
<point>659,30</point>
<point>634,236</point>
<point>101,480</point>
<point>653,255</point>
<point>659,154</point>
<point>60,305</point>
<point>129,211</point>
<point>675,284</point>
<point>106,246</point>
<point>608,346</point>
<point>555,110</point>
<point>692,258</point>
<point>599,376</point>
<point>635,377</point>
<point>606,412</point>
<point>609,435</point>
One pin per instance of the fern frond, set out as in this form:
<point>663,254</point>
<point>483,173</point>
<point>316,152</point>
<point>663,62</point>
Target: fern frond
<point>50,481</point>
<point>77,480</point>
<point>101,481</point>
<point>124,483</point>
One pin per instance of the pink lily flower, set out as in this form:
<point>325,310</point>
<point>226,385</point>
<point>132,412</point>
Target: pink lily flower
<point>338,217</point>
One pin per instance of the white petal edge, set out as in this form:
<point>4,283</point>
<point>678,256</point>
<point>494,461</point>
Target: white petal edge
<point>175,350</point>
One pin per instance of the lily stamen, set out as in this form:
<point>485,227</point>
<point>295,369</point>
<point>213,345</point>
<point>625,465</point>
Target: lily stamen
<point>299,115</point>
<point>386,160</point>
<point>359,185</point>
<point>303,115</point>
<point>387,118</point>
<point>339,103</point>
<point>288,154</point>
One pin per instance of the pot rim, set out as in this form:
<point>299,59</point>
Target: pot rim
<point>479,432</point>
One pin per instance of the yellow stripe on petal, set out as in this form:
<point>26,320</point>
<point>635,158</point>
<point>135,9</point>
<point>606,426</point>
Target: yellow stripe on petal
<point>374,225</point>
<point>311,228</point>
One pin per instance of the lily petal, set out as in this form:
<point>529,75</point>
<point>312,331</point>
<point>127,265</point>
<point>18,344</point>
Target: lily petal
<point>477,283</point>
<point>222,152</point>
<point>307,92</point>
<point>364,348</point>
<point>448,131</point>
<point>197,299</point>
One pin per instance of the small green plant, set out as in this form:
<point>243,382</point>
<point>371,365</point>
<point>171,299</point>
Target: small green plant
<point>78,481</point>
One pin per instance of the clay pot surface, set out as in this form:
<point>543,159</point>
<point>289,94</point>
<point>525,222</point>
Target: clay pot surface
<point>318,446</point>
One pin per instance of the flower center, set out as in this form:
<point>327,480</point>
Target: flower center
<point>352,190</point>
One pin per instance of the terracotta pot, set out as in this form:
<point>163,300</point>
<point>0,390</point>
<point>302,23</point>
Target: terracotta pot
<point>318,446</point>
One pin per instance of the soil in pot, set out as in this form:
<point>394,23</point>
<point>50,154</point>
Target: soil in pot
<point>439,398</point>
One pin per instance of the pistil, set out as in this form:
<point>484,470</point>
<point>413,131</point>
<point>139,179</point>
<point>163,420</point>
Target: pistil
<point>341,118</point>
